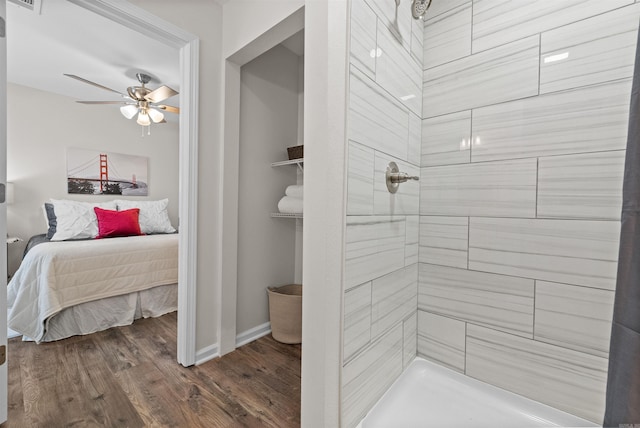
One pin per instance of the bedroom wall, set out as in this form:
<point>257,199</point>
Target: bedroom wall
<point>42,126</point>
<point>268,125</point>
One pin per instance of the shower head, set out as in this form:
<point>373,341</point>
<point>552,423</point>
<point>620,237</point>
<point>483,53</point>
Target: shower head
<point>419,8</point>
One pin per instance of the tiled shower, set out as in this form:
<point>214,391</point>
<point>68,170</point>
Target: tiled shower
<point>501,262</point>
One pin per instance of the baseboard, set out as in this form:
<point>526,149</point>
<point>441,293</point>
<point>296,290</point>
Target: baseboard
<point>253,334</point>
<point>207,354</point>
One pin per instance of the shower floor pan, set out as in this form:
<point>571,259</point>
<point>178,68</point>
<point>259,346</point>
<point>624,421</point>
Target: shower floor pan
<point>428,395</point>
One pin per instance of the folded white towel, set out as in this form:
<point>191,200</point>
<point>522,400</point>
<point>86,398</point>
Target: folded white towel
<point>290,205</point>
<point>295,191</point>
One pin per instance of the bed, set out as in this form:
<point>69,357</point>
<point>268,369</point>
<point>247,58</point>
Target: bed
<point>77,287</point>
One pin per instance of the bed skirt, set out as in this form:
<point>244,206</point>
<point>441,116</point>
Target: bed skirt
<point>98,315</point>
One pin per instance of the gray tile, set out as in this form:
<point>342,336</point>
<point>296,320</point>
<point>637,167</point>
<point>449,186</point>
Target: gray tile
<point>398,72</point>
<point>417,37</point>
<point>406,200</point>
<point>439,7</point>
<point>374,247</point>
<point>448,36</point>
<point>582,120</point>
<point>501,302</point>
<point>575,252</point>
<point>441,340</point>
<point>415,140</point>
<point>410,332</point>
<point>505,73</point>
<point>596,50</point>
<point>562,378</point>
<point>574,317</point>
<point>375,118</point>
<point>396,18</point>
<point>370,374</point>
<point>505,188</point>
<point>496,23</point>
<point>446,140</point>
<point>411,240</point>
<point>587,186</point>
<point>444,240</point>
<point>363,37</point>
<point>360,180</point>
<point>394,297</point>
<point>357,319</point>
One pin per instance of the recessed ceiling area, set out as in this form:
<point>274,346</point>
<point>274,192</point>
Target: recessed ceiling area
<point>65,38</point>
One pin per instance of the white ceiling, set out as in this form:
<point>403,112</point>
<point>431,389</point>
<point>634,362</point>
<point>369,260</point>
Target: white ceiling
<point>66,38</point>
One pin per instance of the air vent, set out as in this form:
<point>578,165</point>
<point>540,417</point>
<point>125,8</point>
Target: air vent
<point>32,5</point>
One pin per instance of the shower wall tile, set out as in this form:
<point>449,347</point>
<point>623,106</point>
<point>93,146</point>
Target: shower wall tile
<point>444,240</point>
<point>412,239</point>
<point>374,247</point>
<point>363,37</point>
<point>581,186</point>
<point>415,140</point>
<point>446,140</point>
<point>505,73</point>
<point>597,50</point>
<point>406,200</point>
<point>496,23</point>
<point>448,36</point>
<point>360,180</point>
<point>483,189</point>
<point>397,72</point>
<point>574,317</point>
<point>396,18</point>
<point>375,118</point>
<point>441,340</point>
<point>410,332</point>
<point>568,380</point>
<point>417,36</point>
<point>439,7</point>
<point>370,374</point>
<point>567,251</point>
<point>357,319</point>
<point>577,121</point>
<point>394,297</point>
<point>500,302</point>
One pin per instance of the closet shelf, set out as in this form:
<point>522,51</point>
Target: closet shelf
<point>286,215</point>
<point>289,162</point>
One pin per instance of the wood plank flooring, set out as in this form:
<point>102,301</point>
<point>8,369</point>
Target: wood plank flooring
<point>128,377</point>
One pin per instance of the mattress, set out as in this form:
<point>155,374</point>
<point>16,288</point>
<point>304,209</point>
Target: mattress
<point>59,275</point>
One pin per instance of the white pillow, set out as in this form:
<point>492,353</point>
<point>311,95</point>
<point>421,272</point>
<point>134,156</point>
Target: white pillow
<point>77,220</point>
<point>153,217</point>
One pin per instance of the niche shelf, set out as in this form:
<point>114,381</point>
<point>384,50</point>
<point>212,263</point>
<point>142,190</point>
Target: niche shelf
<point>298,162</point>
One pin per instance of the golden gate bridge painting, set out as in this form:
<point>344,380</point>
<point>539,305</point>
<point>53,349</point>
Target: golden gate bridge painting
<point>93,172</point>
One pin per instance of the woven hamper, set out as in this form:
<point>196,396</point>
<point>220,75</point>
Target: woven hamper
<point>285,313</point>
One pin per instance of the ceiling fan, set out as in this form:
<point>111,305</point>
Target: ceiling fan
<point>140,100</point>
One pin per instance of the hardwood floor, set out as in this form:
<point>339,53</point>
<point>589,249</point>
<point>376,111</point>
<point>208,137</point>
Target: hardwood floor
<point>128,377</point>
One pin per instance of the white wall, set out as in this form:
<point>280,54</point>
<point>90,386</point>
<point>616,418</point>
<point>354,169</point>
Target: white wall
<point>246,20</point>
<point>42,126</point>
<point>268,125</point>
<point>204,19</point>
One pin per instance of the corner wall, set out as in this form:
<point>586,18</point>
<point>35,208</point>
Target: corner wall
<point>526,109</point>
<point>381,271</point>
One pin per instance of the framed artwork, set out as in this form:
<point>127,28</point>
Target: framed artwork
<point>93,172</point>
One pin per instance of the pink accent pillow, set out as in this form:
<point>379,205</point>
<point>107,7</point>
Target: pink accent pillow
<point>117,223</point>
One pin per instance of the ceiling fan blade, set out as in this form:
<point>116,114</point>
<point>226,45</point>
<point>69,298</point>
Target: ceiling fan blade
<point>101,102</point>
<point>170,109</point>
<point>73,76</point>
<point>160,94</point>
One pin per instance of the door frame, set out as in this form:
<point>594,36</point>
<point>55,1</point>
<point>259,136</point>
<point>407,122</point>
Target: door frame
<point>135,18</point>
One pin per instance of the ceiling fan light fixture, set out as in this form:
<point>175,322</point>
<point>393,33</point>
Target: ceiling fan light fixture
<point>156,115</point>
<point>129,111</point>
<point>143,119</point>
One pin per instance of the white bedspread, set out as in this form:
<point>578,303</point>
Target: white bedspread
<point>57,275</point>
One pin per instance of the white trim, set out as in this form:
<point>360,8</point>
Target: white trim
<point>207,354</point>
<point>130,16</point>
<point>252,334</point>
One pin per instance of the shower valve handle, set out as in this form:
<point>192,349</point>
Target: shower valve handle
<point>394,177</point>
